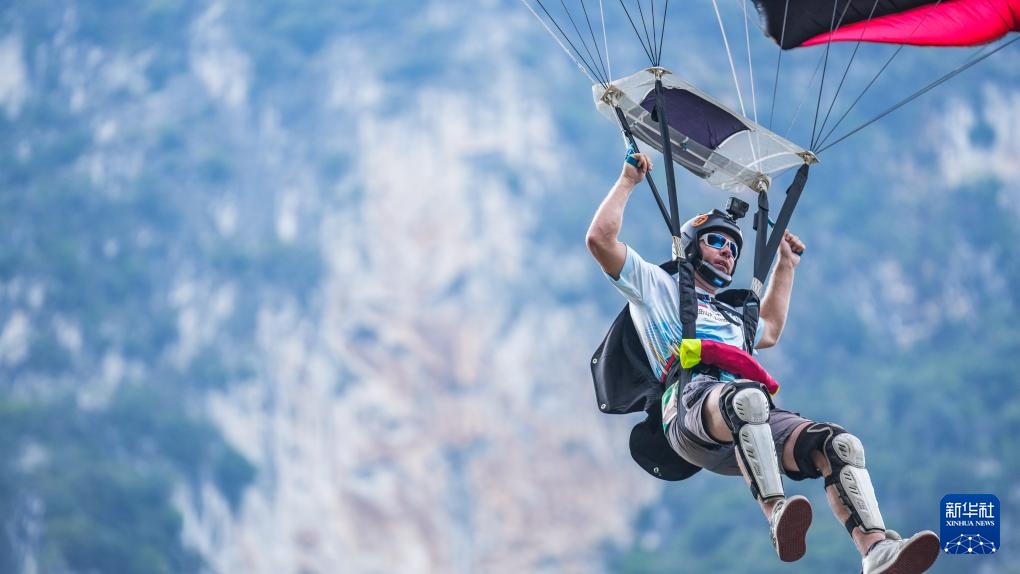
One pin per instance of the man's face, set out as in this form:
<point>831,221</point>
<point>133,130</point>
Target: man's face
<point>719,257</point>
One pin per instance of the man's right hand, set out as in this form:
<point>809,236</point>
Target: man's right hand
<point>636,174</point>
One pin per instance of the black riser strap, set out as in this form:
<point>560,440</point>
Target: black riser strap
<point>785,213</point>
<point>688,299</point>
<point>667,156</point>
<point>750,314</point>
<point>625,126</point>
<point>761,226</point>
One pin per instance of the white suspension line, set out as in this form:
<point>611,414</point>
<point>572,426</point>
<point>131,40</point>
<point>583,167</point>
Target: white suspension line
<point>729,55</point>
<point>756,148</point>
<point>803,97</point>
<point>605,41</point>
<point>560,42</point>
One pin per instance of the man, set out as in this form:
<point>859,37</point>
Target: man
<point>730,426</point>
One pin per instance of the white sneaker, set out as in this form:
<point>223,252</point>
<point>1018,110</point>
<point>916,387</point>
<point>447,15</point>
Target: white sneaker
<point>894,555</point>
<point>791,518</point>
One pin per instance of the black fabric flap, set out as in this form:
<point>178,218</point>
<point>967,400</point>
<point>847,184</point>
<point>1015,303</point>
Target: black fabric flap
<point>624,382</point>
<point>650,449</point>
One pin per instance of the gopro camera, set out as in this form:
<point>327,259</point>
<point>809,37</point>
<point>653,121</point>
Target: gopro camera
<point>737,208</point>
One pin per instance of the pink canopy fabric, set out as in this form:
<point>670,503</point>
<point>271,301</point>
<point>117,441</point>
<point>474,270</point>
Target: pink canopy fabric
<point>948,23</point>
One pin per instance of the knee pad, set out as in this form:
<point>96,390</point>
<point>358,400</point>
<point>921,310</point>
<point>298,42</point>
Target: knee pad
<point>746,407</point>
<point>813,438</point>
<point>845,454</point>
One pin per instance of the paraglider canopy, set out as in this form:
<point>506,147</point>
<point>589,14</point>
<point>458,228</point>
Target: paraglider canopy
<point>794,23</point>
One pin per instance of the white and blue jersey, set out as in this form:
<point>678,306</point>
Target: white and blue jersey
<point>653,296</point>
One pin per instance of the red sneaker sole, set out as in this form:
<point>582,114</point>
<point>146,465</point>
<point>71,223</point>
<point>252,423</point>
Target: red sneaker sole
<point>791,532</point>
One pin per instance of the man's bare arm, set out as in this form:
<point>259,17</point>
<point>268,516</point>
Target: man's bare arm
<point>603,233</point>
<point>776,304</point>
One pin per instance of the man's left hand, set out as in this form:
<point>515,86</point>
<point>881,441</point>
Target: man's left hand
<point>790,249</point>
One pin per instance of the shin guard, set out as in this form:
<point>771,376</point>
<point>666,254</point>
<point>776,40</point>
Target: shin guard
<point>846,455</point>
<point>746,408</point>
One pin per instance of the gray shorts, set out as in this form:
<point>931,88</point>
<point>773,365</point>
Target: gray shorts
<point>688,436</point>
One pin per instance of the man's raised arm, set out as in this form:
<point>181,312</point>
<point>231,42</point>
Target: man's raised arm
<point>776,304</point>
<point>603,233</point>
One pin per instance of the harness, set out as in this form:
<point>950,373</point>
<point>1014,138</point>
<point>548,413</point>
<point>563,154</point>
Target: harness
<point>625,383</point>
<point>731,316</point>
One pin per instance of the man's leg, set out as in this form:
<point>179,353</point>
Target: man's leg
<point>766,484</point>
<point>823,449</point>
<point>739,412</point>
<point>821,465</point>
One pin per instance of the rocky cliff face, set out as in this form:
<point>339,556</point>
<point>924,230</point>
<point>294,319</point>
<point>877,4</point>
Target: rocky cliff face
<point>348,251</point>
<point>430,414</point>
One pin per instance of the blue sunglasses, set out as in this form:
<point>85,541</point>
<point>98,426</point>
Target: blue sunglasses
<point>719,241</point>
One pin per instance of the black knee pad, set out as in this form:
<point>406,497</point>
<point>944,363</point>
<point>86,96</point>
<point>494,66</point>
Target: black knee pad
<point>814,437</point>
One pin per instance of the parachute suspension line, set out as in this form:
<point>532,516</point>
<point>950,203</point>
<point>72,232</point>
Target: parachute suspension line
<point>755,149</point>
<point>605,41</point>
<point>649,38</point>
<point>574,55</point>
<point>580,37</point>
<point>662,32</point>
<point>779,60</point>
<point>729,55</point>
<point>861,95</point>
<point>655,43</point>
<point>595,43</point>
<point>646,48</point>
<point>892,57</point>
<point>848,64</point>
<point>803,98</point>
<point>629,136</point>
<point>821,87</point>
<point>961,68</point>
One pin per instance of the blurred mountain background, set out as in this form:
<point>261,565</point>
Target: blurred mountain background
<point>300,287</point>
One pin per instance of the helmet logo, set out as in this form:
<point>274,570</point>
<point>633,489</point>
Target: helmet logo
<point>699,220</point>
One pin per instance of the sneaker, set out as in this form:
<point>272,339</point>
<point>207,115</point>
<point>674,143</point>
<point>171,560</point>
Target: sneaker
<point>791,518</point>
<point>894,555</point>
